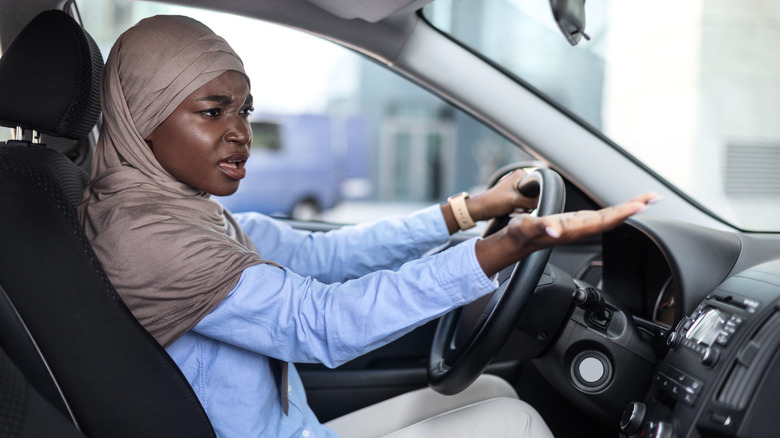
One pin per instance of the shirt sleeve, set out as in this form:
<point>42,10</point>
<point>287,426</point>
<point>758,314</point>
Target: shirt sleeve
<point>348,252</point>
<point>280,314</point>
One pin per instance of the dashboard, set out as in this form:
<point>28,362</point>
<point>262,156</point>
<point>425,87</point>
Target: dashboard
<point>718,294</point>
<point>722,373</point>
<point>684,339</point>
<point>686,344</point>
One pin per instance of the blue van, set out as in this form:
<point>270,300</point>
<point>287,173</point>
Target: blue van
<point>297,165</point>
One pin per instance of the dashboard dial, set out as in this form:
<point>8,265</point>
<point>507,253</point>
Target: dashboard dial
<point>664,310</point>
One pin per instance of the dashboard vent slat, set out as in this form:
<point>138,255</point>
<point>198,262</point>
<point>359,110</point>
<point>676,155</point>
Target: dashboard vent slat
<point>593,273</point>
<point>752,360</point>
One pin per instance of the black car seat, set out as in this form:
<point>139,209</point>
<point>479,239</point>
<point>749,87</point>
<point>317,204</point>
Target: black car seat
<point>62,324</point>
<point>24,413</point>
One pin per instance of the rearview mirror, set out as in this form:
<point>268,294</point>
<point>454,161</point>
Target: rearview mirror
<point>570,16</point>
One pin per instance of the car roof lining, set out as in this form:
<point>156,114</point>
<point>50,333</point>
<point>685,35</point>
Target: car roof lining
<point>381,39</point>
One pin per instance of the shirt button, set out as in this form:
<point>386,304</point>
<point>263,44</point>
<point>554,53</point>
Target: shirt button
<point>289,389</point>
<point>305,433</point>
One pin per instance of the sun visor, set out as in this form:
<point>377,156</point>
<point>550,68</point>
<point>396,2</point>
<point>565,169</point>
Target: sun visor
<point>368,10</point>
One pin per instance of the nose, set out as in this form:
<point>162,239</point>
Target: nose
<point>239,131</point>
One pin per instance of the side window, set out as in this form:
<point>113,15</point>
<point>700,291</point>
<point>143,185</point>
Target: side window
<point>6,134</point>
<point>266,135</point>
<point>337,137</point>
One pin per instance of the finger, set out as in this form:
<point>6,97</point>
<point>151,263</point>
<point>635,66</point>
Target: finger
<point>613,216</point>
<point>579,224</point>
<point>526,196</point>
<point>552,232</point>
<point>636,205</point>
<point>574,226</point>
<point>646,199</point>
<point>532,227</point>
<point>528,187</point>
<point>512,178</point>
<point>518,174</point>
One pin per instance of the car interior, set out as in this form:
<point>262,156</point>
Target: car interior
<point>666,326</point>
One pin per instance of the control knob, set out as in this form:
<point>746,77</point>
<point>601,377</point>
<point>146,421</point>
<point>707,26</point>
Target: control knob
<point>673,340</point>
<point>710,356</point>
<point>633,417</point>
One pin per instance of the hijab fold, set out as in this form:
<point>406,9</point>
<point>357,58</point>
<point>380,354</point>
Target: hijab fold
<point>172,253</point>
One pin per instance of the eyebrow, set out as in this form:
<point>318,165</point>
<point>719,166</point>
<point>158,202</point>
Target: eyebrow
<point>223,100</point>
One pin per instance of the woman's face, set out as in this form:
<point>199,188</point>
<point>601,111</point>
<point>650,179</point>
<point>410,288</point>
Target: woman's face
<point>205,141</point>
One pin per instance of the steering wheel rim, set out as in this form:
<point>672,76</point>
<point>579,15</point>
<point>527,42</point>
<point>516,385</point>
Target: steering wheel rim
<point>468,338</point>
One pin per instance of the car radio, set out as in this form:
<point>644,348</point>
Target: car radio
<point>717,357</point>
<point>711,327</point>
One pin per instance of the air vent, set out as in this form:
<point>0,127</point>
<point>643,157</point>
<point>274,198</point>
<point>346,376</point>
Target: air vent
<point>751,170</point>
<point>750,364</point>
<point>592,273</point>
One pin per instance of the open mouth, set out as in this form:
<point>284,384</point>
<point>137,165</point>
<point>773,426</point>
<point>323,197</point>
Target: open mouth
<point>232,163</point>
<point>233,166</point>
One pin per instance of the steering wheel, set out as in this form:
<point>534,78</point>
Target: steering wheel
<point>468,338</point>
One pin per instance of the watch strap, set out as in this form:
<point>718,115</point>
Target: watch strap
<point>459,210</point>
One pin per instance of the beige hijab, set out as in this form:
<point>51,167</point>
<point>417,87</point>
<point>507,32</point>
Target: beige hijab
<point>172,253</point>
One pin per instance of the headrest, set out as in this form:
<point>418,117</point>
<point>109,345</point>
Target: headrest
<point>50,78</point>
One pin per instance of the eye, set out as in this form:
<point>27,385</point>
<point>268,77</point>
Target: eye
<point>212,112</point>
<point>247,110</point>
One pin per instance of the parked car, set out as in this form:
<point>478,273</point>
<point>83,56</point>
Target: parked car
<point>667,326</point>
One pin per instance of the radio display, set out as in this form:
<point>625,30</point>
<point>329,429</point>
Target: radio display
<point>707,326</point>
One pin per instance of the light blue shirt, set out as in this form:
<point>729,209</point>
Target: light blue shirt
<point>340,295</point>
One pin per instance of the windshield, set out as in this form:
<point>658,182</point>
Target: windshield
<point>691,89</point>
<point>336,137</point>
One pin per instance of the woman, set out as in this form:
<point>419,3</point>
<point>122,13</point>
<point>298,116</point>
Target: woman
<point>176,102</point>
